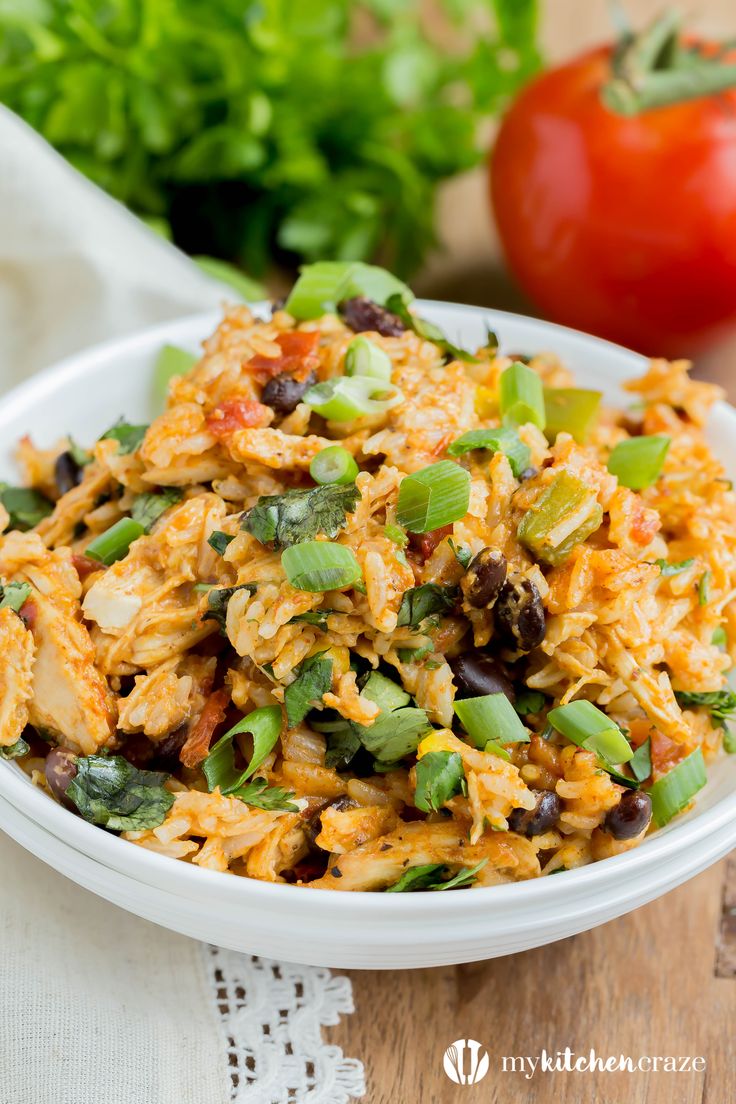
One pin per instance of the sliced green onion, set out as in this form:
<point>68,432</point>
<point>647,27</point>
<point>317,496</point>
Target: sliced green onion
<point>494,748</point>
<point>704,588</point>
<point>364,358</point>
<point>320,565</point>
<point>334,465</point>
<point>264,725</point>
<point>588,727</point>
<point>114,543</point>
<point>640,763</point>
<point>667,569</point>
<point>564,515</point>
<point>672,793</point>
<point>637,461</point>
<point>384,692</point>
<point>521,396</point>
<point>396,534</point>
<point>504,439</point>
<point>321,286</point>
<point>570,410</point>
<point>491,718</point>
<point>345,398</point>
<point>433,497</point>
<point>719,637</point>
<point>171,361</point>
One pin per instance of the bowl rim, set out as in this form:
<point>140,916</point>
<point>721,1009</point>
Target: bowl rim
<point>112,851</point>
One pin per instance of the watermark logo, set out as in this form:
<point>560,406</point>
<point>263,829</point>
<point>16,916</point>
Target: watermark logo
<point>466,1062</point>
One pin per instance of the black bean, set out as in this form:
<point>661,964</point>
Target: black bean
<point>67,473</point>
<point>520,613</point>
<point>477,673</point>
<point>484,578</point>
<point>533,822</point>
<point>362,314</point>
<point>630,817</point>
<point>61,768</point>
<point>313,825</point>
<point>284,393</point>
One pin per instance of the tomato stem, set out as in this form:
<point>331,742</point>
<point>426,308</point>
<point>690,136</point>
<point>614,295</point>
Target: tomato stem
<point>655,69</point>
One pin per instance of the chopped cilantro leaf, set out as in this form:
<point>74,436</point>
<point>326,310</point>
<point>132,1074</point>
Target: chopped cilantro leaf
<point>295,516</point>
<point>424,601</point>
<point>440,775</point>
<point>313,679</point>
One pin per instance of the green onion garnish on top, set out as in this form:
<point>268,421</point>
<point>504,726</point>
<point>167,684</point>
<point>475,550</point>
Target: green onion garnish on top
<point>676,789</point>
<point>491,718</point>
<point>588,727</point>
<point>264,725</point>
<point>570,410</point>
<point>344,398</point>
<point>503,439</point>
<point>565,514</point>
<point>364,358</point>
<point>114,543</point>
<point>433,497</point>
<point>321,286</point>
<point>521,398</point>
<point>638,461</point>
<point>320,565</point>
<point>333,465</point>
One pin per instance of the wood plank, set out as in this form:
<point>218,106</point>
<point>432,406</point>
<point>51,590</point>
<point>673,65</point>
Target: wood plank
<point>641,985</point>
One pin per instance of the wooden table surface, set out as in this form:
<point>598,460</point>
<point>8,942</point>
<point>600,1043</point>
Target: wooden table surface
<point>659,981</point>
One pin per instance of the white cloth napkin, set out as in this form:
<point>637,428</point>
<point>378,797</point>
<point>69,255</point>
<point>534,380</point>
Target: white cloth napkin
<point>97,1006</point>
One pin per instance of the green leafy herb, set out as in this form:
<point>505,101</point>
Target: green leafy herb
<point>424,601</point>
<point>14,595</point>
<point>25,506</point>
<point>414,655</point>
<point>721,704</point>
<point>719,637</point>
<point>529,701</point>
<point>218,599</point>
<point>667,569</point>
<point>148,508</point>
<point>129,437</point>
<point>111,792</point>
<point>80,456</point>
<point>16,750</point>
<point>243,128</point>
<point>440,775</point>
<point>219,541</point>
<point>461,552</point>
<point>246,288</point>
<point>416,877</point>
<point>430,877</point>
<point>313,680</point>
<point>317,617</point>
<point>296,516</point>
<point>394,735</point>
<point>260,795</point>
<point>342,746</point>
<point>427,330</point>
<point>640,763</point>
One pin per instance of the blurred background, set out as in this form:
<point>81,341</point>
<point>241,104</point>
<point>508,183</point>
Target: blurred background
<point>263,133</point>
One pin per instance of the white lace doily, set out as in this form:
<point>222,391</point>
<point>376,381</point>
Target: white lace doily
<point>271,1014</point>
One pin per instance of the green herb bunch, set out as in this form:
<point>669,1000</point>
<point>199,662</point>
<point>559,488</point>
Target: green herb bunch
<point>250,129</point>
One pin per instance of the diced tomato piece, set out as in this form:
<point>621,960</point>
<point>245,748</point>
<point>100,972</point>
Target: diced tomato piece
<point>645,524</point>
<point>199,739</point>
<point>425,543</point>
<point>84,565</point>
<point>666,753</point>
<point>234,414</point>
<point>28,613</point>
<point>297,355</point>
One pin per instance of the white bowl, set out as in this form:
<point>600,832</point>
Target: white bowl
<point>83,395</point>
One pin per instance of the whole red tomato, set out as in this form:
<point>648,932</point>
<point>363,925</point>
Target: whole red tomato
<point>621,226</point>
